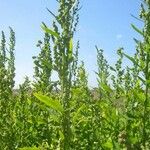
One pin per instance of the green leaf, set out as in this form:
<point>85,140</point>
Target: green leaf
<point>140,96</point>
<point>29,101</point>
<point>108,144</point>
<point>136,41</point>
<point>55,118</point>
<point>71,45</point>
<point>54,104</point>
<point>47,30</point>
<point>130,58</point>
<point>76,115</point>
<point>113,69</point>
<point>70,48</point>
<point>29,148</point>
<point>133,140</point>
<point>143,81</point>
<point>137,30</point>
<point>106,88</point>
<point>61,135</point>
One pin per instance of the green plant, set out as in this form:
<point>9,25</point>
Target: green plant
<point>62,39</point>
<point>67,114</point>
<point>43,67</point>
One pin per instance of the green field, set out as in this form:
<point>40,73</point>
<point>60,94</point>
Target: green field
<point>66,114</point>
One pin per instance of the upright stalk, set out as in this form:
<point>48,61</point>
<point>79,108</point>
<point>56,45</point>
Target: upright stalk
<point>62,34</point>
<point>145,115</point>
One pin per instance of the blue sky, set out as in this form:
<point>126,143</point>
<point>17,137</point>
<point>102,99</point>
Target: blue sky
<point>105,23</point>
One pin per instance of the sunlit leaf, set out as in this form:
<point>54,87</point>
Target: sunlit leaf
<point>61,135</point>
<point>47,30</point>
<point>108,144</point>
<point>54,104</point>
<point>76,115</point>
<point>29,148</point>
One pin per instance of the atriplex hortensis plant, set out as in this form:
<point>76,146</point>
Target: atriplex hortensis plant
<point>7,66</point>
<point>43,67</point>
<point>7,73</point>
<point>11,60</point>
<point>135,95</point>
<point>3,69</point>
<point>103,72</point>
<point>62,34</point>
<point>144,56</point>
<point>143,64</point>
<point>118,118</point>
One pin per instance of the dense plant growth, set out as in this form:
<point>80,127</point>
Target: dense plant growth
<point>66,114</point>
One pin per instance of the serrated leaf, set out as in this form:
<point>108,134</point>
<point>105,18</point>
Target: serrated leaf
<point>54,104</point>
